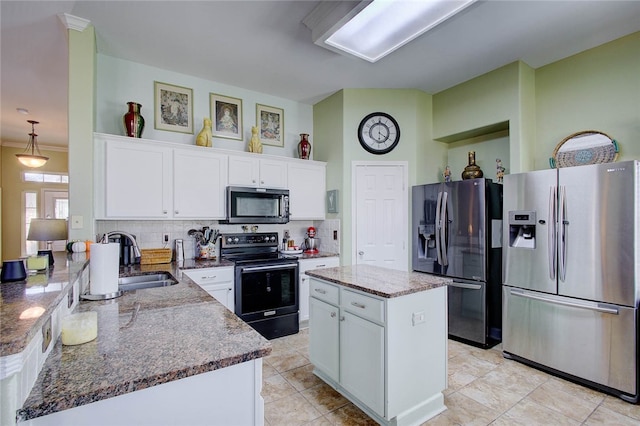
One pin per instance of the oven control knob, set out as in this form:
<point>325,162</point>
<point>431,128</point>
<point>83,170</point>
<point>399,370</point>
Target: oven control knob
<point>229,240</point>
<point>236,239</point>
<point>273,238</point>
<point>266,238</point>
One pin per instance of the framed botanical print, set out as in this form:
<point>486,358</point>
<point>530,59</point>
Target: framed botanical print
<point>332,201</point>
<point>173,108</point>
<point>270,122</point>
<point>226,116</point>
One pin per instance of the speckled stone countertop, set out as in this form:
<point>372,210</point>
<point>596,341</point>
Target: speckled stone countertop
<point>145,338</point>
<point>380,281</point>
<point>303,255</point>
<point>26,305</point>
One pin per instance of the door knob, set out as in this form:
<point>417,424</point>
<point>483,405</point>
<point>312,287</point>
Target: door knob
<point>360,252</point>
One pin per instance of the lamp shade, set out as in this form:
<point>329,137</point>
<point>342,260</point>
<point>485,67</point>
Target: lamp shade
<point>47,230</point>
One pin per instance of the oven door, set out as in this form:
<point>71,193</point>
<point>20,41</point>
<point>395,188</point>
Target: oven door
<point>266,290</point>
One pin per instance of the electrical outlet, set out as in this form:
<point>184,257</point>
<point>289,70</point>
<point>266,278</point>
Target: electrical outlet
<point>335,235</point>
<point>46,335</point>
<point>165,238</point>
<point>70,298</point>
<point>286,234</point>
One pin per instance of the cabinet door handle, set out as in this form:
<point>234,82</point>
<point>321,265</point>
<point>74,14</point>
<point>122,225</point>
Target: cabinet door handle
<point>164,212</point>
<point>359,305</point>
<point>177,212</point>
<point>261,182</point>
<point>208,277</point>
<point>321,266</point>
<point>319,290</point>
<point>342,318</point>
<point>333,314</point>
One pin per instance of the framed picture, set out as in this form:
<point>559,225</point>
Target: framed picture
<point>270,121</point>
<point>226,116</point>
<point>332,201</point>
<point>173,108</point>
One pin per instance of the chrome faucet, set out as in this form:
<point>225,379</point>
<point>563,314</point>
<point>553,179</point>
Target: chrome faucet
<point>134,243</point>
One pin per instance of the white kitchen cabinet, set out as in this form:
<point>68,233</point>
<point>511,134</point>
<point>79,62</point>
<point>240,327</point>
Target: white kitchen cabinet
<point>137,180</point>
<point>257,172</point>
<point>199,183</point>
<point>142,179</point>
<point>303,281</point>
<point>387,355</point>
<point>218,282</point>
<point>307,190</point>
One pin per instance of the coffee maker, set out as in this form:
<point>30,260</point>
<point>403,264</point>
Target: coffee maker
<point>311,243</point>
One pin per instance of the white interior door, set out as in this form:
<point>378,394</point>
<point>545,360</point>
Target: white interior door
<point>56,206</point>
<point>380,214</point>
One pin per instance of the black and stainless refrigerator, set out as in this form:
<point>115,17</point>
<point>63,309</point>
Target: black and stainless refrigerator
<point>457,230</point>
<point>571,268</point>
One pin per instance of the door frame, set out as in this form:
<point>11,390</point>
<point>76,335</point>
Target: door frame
<point>405,203</point>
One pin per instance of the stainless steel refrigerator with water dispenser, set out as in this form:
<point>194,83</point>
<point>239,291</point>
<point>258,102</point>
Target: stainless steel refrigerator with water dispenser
<point>571,268</point>
<point>457,233</point>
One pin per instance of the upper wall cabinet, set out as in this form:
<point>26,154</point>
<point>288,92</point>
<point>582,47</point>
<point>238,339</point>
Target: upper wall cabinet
<point>307,188</point>
<point>140,179</point>
<point>257,172</point>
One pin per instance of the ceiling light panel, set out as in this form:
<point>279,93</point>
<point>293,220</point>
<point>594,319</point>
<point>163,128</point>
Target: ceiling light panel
<point>385,25</point>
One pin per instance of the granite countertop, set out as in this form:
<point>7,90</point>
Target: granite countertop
<point>303,255</point>
<point>380,281</point>
<point>26,305</point>
<point>145,338</point>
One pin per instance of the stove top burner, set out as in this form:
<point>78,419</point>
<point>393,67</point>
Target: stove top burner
<point>258,247</point>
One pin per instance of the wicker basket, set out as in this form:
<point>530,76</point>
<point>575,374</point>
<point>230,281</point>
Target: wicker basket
<point>155,256</point>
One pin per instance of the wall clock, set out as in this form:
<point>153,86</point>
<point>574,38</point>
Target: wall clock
<point>378,133</point>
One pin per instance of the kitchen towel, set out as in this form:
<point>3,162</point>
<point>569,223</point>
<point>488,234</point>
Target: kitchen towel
<point>104,266</point>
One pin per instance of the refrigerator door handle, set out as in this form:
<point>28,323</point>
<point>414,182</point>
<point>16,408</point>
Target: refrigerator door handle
<point>465,285</point>
<point>552,232</point>
<point>438,226</point>
<point>602,309</point>
<point>562,249</point>
<point>444,229</point>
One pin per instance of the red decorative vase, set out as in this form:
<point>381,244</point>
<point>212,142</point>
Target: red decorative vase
<point>304,146</point>
<point>133,121</point>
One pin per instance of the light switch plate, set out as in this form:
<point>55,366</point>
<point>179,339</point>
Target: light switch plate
<point>77,222</point>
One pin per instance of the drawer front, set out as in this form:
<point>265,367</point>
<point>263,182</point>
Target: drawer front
<point>326,262</point>
<point>363,306</point>
<point>210,275</point>
<point>324,291</point>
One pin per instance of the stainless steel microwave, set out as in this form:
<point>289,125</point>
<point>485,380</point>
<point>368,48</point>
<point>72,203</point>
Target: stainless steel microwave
<point>257,205</point>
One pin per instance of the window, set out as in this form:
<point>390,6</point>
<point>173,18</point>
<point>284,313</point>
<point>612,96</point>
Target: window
<point>30,211</point>
<point>45,177</point>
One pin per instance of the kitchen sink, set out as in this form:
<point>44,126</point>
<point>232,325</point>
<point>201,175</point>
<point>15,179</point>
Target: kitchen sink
<point>151,280</point>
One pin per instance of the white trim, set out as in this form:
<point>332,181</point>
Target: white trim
<point>405,202</point>
<point>72,22</point>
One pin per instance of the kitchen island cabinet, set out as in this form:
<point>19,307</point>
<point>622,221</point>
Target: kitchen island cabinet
<point>379,337</point>
<point>307,262</point>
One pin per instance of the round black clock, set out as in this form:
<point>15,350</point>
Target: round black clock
<point>378,133</point>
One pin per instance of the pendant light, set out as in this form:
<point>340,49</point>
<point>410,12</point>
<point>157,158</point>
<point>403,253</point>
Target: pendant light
<point>32,160</point>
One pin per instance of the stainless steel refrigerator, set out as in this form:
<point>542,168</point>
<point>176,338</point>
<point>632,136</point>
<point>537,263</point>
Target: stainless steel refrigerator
<point>571,267</point>
<point>457,233</point>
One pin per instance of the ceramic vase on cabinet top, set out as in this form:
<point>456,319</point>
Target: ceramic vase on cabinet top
<point>133,121</point>
<point>304,146</point>
<point>472,171</point>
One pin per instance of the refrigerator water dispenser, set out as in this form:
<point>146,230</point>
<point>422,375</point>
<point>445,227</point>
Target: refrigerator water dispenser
<point>522,229</point>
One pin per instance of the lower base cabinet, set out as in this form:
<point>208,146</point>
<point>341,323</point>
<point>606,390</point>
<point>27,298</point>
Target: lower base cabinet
<point>387,355</point>
<point>308,265</point>
<point>218,282</point>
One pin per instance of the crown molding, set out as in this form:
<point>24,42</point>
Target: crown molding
<point>73,22</point>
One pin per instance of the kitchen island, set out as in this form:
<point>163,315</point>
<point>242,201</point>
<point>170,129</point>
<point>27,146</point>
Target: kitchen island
<point>166,355</point>
<point>379,337</point>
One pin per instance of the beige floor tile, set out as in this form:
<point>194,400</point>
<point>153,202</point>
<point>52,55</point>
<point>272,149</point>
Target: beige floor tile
<point>324,398</point>
<point>275,388</point>
<point>288,361</point>
<point>496,398</point>
<point>529,413</point>
<point>513,380</point>
<point>320,421</point>
<point>350,415</point>
<point>299,340</point>
<point>619,406</point>
<point>583,392</point>
<point>268,370</point>
<point>574,404</point>
<point>293,410</point>
<point>470,365</point>
<point>457,380</point>
<point>462,410</point>
<point>604,416</point>
<point>455,348</point>
<point>280,345</point>
<point>302,378</point>
<point>490,355</point>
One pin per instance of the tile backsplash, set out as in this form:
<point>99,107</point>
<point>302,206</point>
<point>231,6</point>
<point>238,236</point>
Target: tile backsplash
<point>149,233</point>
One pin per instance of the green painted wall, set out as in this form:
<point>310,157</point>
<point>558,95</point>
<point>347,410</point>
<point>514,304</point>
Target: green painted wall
<point>598,89</point>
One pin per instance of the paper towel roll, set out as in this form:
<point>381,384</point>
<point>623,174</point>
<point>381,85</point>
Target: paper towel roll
<point>104,266</point>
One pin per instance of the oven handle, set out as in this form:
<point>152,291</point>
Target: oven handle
<point>268,267</point>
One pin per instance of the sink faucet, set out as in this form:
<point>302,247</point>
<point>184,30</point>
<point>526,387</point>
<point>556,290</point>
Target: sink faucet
<point>131,238</point>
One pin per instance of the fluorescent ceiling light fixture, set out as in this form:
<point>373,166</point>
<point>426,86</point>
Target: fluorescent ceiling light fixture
<point>385,25</point>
